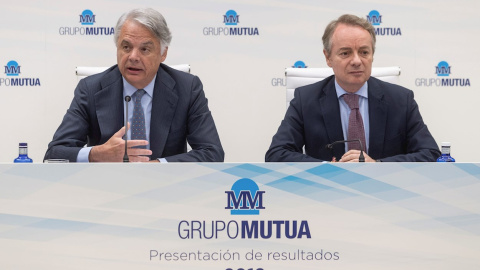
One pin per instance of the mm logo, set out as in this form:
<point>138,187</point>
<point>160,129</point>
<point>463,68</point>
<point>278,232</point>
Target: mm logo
<point>245,198</point>
<point>442,69</point>
<point>231,18</point>
<point>299,64</point>
<point>374,17</point>
<point>87,17</point>
<point>12,68</point>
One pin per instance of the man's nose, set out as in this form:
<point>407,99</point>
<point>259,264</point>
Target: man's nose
<point>356,59</point>
<point>134,55</point>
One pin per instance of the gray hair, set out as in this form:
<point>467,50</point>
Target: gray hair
<point>152,20</point>
<point>347,19</point>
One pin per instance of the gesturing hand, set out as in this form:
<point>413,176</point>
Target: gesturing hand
<point>114,149</point>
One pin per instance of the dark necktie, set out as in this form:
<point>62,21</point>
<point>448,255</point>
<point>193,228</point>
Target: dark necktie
<point>356,131</point>
<point>138,119</point>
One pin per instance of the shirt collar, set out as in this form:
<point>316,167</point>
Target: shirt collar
<point>130,89</point>
<point>363,91</point>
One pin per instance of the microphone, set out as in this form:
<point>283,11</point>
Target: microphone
<point>361,158</point>
<point>125,156</point>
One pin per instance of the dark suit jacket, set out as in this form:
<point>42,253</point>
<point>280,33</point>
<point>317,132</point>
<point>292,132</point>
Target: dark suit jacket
<point>397,131</point>
<point>179,113</point>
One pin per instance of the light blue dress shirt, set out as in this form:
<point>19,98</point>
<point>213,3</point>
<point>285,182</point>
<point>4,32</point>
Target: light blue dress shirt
<point>129,90</point>
<point>345,111</point>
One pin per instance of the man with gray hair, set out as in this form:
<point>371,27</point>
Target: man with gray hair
<point>351,105</point>
<point>168,107</point>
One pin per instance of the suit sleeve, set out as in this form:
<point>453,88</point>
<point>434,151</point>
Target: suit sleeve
<point>201,131</point>
<point>287,144</point>
<point>71,135</point>
<point>420,144</point>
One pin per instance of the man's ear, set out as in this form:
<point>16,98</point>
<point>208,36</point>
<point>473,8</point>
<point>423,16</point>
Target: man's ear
<point>164,55</point>
<point>327,58</point>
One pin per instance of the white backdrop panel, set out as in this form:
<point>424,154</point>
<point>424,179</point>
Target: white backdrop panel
<point>238,72</point>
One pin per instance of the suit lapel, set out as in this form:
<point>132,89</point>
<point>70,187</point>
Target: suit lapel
<point>378,113</point>
<point>109,104</point>
<point>164,104</point>
<point>331,115</point>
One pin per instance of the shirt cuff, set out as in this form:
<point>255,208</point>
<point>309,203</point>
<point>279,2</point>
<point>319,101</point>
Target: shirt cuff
<point>162,160</point>
<point>83,154</point>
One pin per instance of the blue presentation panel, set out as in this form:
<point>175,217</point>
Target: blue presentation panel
<point>240,216</point>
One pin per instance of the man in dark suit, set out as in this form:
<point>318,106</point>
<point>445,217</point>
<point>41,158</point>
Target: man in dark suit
<point>172,104</point>
<point>385,116</point>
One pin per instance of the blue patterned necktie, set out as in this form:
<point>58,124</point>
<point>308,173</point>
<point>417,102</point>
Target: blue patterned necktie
<point>138,119</point>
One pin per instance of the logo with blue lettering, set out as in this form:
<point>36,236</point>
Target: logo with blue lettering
<point>374,17</point>
<point>230,27</point>
<point>86,28</point>
<point>299,64</point>
<point>245,198</point>
<point>87,17</point>
<point>442,69</point>
<point>231,18</point>
<point>12,68</point>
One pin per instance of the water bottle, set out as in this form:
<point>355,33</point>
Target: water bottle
<point>445,157</point>
<point>23,154</point>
